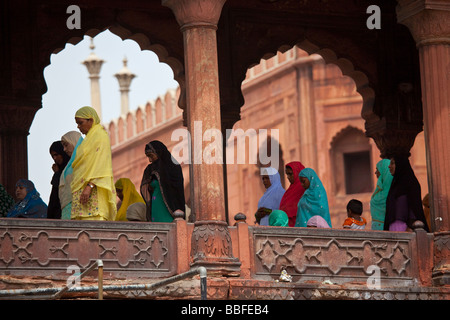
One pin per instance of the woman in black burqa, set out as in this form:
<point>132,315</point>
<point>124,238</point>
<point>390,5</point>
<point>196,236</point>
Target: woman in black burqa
<point>404,201</point>
<point>162,185</point>
<point>61,159</point>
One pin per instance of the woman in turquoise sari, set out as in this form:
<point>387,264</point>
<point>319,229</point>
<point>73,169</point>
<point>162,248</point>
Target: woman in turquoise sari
<point>378,200</point>
<point>71,140</point>
<point>314,201</point>
<point>278,218</point>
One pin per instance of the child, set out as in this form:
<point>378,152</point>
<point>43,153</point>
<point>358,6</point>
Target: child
<point>354,212</point>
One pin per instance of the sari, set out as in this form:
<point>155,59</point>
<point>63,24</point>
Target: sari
<point>272,196</point>
<point>293,194</point>
<point>278,218</point>
<point>65,192</point>
<point>130,196</point>
<point>32,206</point>
<point>92,164</point>
<point>54,202</point>
<point>162,185</point>
<point>404,200</point>
<point>379,196</point>
<point>314,201</point>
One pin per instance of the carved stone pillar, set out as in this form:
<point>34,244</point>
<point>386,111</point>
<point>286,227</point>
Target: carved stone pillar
<point>429,23</point>
<point>307,130</point>
<point>15,121</point>
<point>211,241</point>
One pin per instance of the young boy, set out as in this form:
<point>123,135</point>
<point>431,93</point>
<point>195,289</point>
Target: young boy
<point>354,212</point>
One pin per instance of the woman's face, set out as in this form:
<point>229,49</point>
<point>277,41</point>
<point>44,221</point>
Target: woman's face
<point>377,173</point>
<point>305,182</point>
<point>290,175</point>
<point>392,166</point>
<point>152,157</point>
<point>68,147</point>
<point>266,181</point>
<point>57,158</point>
<point>84,125</point>
<point>119,193</point>
<point>21,192</point>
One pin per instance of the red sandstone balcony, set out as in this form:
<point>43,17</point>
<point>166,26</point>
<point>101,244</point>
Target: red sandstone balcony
<point>323,263</point>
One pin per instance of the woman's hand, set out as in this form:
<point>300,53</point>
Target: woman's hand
<point>84,198</point>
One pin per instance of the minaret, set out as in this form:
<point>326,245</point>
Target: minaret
<point>124,77</point>
<point>94,64</point>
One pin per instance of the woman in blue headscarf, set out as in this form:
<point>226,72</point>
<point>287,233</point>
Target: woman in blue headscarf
<point>272,196</point>
<point>29,203</point>
<point>379,196</point>
<point>314,201</point>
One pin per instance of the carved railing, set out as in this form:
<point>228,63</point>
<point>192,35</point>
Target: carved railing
<point>160,250</point>
<point>340,256</point>
<point>49,247</point>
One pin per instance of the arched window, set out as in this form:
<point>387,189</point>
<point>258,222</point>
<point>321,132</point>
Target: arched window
<point>351,162</point>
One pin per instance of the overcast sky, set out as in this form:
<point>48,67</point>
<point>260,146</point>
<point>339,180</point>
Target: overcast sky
<point>68,89</point>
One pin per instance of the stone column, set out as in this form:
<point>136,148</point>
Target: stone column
<point>211,241</point>
<point>15,122</point>
<point>124,76</point>
<point>94,64</point>
<point>429,23</point>
<point>307,129</point>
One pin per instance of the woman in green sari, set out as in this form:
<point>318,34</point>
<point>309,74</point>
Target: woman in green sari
<point>162,185</point>
<point>378,200</point>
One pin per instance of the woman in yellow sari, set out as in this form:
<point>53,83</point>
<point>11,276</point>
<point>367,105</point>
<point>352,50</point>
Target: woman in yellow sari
<point>93,190</point>
<point>127,193</point>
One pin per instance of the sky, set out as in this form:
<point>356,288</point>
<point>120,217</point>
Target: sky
<point>68,89</point>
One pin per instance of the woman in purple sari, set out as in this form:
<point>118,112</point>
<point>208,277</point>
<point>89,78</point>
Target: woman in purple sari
<point>404,201</point>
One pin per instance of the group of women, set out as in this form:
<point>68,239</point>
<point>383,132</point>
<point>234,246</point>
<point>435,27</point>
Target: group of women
<point>395,204</point>
<point>83,187</point>
<point>303,204</point>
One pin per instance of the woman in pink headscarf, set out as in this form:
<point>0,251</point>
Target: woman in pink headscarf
<point>295,191</point>
<point>317,222</point>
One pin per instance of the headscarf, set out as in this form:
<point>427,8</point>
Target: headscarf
<point>88,113</point>
<point>54,204</point>
<point>314,201</point>
<point>293,194</point>
<point>6,201</point>
<point>32,206</point>
<point>378,200</point>
<point>272,196</point>
<point>318,222</point>
<point>404,183</point>
<point>137,212</point>
<point>65,192</point>
<point>278,218</point>
<point>93,162</point>
<point>130,196</point>
<point>169,175</point>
